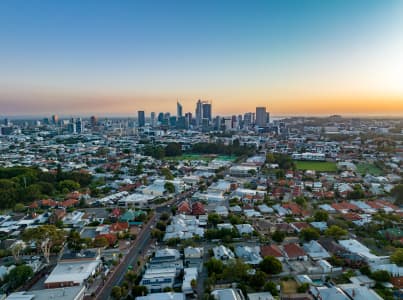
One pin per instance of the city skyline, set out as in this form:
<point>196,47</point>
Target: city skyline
<point>295,58</point>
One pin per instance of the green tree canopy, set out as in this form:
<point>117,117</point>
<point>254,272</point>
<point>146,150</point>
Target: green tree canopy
<point>397,257</point>
<point>19,275</point>
<point>335,232</point>
<point>309,234</point>
<point>321,216</point>
<point>271,265</point>
<point>46,237</point>
<point>170,187</point>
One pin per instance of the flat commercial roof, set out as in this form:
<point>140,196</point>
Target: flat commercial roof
<point>68,293</point>
<point>75,272</point>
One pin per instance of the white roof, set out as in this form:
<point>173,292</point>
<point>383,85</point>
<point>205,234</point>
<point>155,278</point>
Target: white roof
<point>227,294</point>
<point>75,272</point>
<point>67,293</point>
<point>163,296</point>
<point>358,292</point>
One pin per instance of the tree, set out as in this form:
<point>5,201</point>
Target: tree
<point>193,284</point>
<point>139,290</point>
<point>45,237</point>
<point>271,265</point>
<point>303,287</point>
<point>381,276</point>
<point>236,270</point>
<point>278,236</point>
<point>164,217</point>
<point>74,241</point>
<point>397,192</point>
<point>335,232</point>
<point>321,216</point>
<point>101,242</point>
<point>301,201</point>
<point>271,287</point>
<point>173,149</point>
<point>19,207</point>
<point>167,174</point>
<point>19,275</point>
<point>309,234</point>
<point>397,257</point>
<point>16,249</point>
<point>69,185</point>
<point>214,266</point>
<point>170,187</point>
<point>258,279</point>
<point>116,292</point>
<point>214,219</point>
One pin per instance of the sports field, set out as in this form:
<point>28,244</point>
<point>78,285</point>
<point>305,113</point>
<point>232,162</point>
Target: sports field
<point>320,166</point>
<point>366,168</point>
<point>203,157</point>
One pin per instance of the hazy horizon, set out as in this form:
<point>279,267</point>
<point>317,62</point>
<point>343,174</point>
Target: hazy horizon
<point>294,57</point>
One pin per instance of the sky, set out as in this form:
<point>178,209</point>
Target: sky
<point>295,57</point>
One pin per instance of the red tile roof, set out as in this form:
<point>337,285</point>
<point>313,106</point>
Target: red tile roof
<point>119,226</point>
<point>184,207</point>
<point>293,251</point>
<point>198,209</point>
<point>271,250</point>
<point>344,206</point>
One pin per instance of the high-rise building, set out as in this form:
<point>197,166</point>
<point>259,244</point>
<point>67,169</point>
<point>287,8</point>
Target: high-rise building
<point>55,119</point>
<point>206,107</point>
<point>199,112</point>
<point>248,118</point>
<point>71,126</point>
<point>161,117</point>
<point>141,118</point>
<point>179,112</point>
<point>152,119</point>
<point>93,121</point>
<point>261,117</point>
<point>79,125</point>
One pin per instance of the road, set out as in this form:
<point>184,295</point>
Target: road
<point>138,248</point>
<point>129,260</point>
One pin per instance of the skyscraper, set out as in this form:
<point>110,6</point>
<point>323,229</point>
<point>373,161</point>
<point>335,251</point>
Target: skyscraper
<point>79,125</point>
<point>199,113</point>
<point>261,117</point>
<point>55,119</point>
<point>141,118</point>
<point>206,110</point>
<point>179,112</point>
<point>93,121</point>
<point>152,119</point>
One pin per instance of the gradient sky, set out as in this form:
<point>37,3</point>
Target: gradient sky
<point>116,57</point>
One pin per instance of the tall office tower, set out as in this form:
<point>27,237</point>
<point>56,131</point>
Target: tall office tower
<point>93,121</point>
<point>141,118</point>
<point>179,110</point>
<point>268,118</point>
<point>46,121</point>
<point>6,122</point>
<point>248,118</point>
<point>261,117</point>
<point>217,123</point>
<point>71,126</point>
<point>160,117</point>
<point>79,125</point>
<point>206,111</point>
<point>55,119</point>
<point>152,119</point>
<point>199,112</point>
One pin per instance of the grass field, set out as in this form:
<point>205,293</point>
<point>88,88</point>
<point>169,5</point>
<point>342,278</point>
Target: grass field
<point>320,166</point>
<point>203,157</point>
<point>365,168</point>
